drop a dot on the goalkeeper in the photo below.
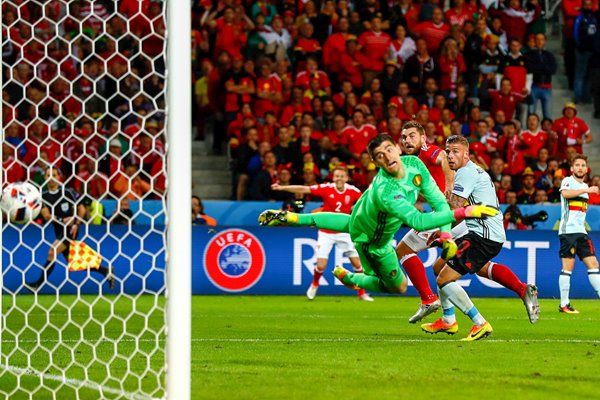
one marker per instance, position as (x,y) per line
(59,207)
(382,209)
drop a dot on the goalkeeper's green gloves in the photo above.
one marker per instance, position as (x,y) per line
(474,211)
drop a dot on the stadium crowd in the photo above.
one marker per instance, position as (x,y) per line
(294,88)
(83,90)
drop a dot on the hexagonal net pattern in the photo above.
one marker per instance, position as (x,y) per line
(83,118)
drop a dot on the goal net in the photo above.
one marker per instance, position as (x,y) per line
(84,93)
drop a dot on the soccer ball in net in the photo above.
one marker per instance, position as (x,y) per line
(21,201)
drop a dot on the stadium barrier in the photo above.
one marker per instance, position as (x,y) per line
(257,260)
(243,213)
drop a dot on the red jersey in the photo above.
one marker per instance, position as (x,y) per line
(533,142)
(451,72)
(433,34)
(358,138)
(569,131)
(303,80)
(334,47)
(271,84)
(429,154)
(458,17)
(513,154)
(505,102)
(412,16)
(230,38)
(375,46)
(12,171)
(334,200)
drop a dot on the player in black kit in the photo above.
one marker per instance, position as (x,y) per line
(59,205)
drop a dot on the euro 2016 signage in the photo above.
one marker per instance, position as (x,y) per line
(263,260)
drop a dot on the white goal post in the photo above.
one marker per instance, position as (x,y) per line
(179,263)
(67,64)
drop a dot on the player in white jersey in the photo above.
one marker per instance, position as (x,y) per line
(476,248)
(414,242)
(574,194)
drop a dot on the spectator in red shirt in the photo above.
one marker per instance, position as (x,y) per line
(305,45)
(374,44)
(268,92)
(572,131)
(358,134)
(352,62)
(12,170)
(515,19)
(340,97)
(239,86)
(505,99)
(335,46)
(594,197)
(533,139)
(229,33)
(311,69)
(433,31)
(458,14)
(452,68)
(510,147)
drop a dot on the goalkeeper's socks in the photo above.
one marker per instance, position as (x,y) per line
(504,276)
(457,295)
(416,273)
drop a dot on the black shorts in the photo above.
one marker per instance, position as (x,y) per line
(473,253)
(575,243)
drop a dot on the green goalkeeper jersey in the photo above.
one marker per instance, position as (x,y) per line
(389,202)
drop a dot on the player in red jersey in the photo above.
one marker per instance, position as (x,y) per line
(414,142)
(338,196)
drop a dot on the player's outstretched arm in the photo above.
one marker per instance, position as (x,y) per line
(291,188)
(412,217)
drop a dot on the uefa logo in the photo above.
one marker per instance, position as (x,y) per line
(234,260)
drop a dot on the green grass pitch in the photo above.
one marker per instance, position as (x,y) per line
(286,347)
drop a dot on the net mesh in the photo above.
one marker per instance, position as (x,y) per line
(83,92)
